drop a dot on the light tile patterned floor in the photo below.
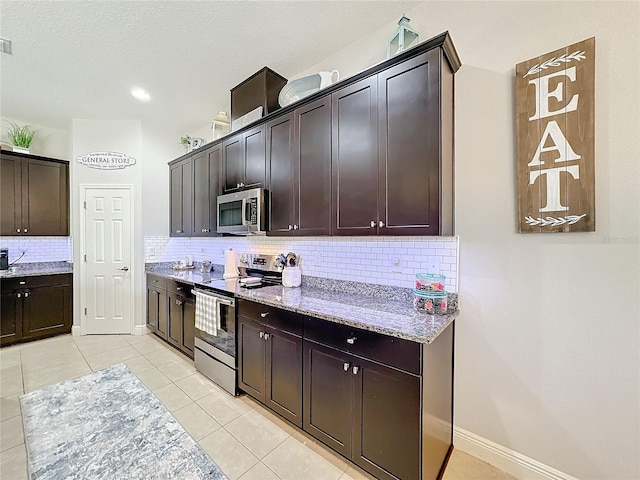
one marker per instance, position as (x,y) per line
(246,440)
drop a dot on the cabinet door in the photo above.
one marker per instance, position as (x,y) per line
(251,358)
(409,151)
(281,175)
(284,375)
(10,315)
(328,396)
(176,319)
(45,198)
(152,308)
(163,314)
(255,157)
(355,158)
(46,311)
(233,163)
(386,421)
(206,188)
(10,195)
(313,168)
(181,198)
(189,326)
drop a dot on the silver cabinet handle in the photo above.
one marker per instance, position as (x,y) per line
(26,230)
(264,314)
(346,366)
(295,227)
(124,269)
(266,336)
(18,230)
(372,224)
(356,369)
(178,302)
(351,340)
(19,295)
(381,224)
(23,283)
(290,227)
(261,334)
(26,294)
(178,231)
(241,184)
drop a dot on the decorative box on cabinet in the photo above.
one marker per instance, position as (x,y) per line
(259,90)
(34,195)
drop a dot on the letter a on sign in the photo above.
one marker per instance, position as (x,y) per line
(555,130)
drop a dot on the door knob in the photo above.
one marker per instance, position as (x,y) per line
(124,269)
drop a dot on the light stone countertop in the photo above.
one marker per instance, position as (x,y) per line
(389,314)
(37,269)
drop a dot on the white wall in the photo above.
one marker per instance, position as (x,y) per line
(123,136)
(547,345)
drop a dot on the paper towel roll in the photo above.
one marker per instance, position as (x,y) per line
(230,264)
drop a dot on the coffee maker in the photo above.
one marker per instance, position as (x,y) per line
(4,258)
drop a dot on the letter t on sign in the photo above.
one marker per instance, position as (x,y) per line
(555,140)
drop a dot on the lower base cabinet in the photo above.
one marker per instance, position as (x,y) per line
(171,312)
(35,307)
(382,402)
(270,358)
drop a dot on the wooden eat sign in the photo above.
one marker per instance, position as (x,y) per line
(555,140)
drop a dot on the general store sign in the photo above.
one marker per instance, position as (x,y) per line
(555,140)
(106,160)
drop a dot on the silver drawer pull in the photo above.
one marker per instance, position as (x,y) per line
(351,340)
(23,283)
(346,366)
(264,314)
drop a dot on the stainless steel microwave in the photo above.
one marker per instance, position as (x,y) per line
(243,213)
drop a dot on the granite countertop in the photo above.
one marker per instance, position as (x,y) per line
(36,269)
(391,315)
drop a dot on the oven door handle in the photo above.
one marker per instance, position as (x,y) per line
(230,302)
(246,221)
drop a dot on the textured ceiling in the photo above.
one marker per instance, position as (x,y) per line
(80,59)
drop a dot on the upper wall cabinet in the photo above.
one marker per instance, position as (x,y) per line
(243,160)
(181,197)
(299,153)
(34,196)
(206,188)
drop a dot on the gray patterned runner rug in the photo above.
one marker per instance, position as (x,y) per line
(108,425)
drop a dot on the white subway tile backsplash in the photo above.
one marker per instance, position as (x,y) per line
(364,259)
(38,249)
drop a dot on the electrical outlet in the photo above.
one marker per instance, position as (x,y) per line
(396,265)
(433,265)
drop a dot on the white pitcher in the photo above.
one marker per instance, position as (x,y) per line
(328,78)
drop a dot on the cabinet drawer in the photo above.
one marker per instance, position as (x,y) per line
(156,281)
(179,288)
(392,351)
(275,317)
(36,281)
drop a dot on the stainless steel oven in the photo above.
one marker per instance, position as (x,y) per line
(215,355)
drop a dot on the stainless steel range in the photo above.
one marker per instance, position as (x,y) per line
(216,343)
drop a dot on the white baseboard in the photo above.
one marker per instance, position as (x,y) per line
(507,460)
(76,330)
(140,330)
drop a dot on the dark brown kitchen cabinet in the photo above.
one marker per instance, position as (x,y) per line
(270,358)
(181,199)
(244,160)
(415,106)
(206,188)
(171,313)
(355,158)
(34,195)
(35,307)
(299,153)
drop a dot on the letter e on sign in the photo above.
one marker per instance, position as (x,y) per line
(555,132)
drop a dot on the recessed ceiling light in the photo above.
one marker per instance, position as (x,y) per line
(141,94)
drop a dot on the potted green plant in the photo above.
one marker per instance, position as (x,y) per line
(21,136)
(186,142)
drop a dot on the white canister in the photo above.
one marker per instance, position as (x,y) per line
(291,277)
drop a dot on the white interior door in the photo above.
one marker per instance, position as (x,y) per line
(108,255)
